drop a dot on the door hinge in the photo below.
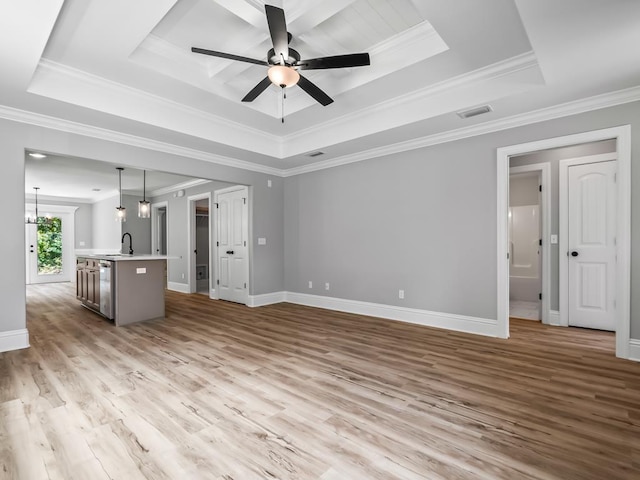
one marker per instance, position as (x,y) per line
(245,243)
(217,205)
(217,244)
(245,285)
(540,242)
(217,282)
(539,188)
(539,296)
(507,255)
(244,201)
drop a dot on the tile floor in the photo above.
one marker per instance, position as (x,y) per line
(525,310)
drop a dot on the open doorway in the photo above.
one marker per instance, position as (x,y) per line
(525,244)
(202,249)
(619,137)
(159,236)
(199,231)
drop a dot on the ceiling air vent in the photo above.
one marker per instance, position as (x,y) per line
(315,154)
(473,112)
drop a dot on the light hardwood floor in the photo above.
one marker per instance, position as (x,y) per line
(222,391)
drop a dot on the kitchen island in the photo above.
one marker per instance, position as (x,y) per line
(123,288)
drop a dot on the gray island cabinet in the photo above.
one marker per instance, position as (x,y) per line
(123,288)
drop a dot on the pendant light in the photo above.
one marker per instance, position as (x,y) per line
(121,212)
(144,207)
(37,220)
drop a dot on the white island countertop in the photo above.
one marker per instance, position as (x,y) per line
(119,257)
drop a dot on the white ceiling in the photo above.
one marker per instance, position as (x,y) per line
(127,67)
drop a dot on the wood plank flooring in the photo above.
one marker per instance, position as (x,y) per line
(222,391)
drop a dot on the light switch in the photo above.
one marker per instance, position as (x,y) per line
(141,270)
(262,241)
(269,184)
(554,239)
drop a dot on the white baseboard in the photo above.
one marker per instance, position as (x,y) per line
(14,340)
(634,350)
(554,318)
(460,323)
(178,287)
(266,299)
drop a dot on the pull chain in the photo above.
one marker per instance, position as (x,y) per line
(284,95)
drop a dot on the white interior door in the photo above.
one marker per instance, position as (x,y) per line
(592,245)
(49,250)
(232,245)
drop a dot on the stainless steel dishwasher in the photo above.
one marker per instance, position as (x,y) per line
(107,306)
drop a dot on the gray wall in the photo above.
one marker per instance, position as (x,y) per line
(553,157)
(266,265)
(139,228)
(523,190)
(105,228)
(423,221)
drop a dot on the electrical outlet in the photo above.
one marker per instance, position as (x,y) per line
(310,284)
(401,294)
(269,183)
(326,286)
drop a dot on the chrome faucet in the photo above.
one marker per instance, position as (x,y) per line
(130,242)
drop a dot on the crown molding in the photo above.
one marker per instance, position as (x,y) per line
(570,108)
(209,122)
(68,126)
(178,186)
(409,101)
(596,102)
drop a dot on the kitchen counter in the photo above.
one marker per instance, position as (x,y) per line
(118,257)
(123,288)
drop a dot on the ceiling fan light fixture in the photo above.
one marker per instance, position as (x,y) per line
(283,76)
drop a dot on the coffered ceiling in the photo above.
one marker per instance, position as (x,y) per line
(126,66)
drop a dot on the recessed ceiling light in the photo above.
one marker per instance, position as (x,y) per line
(37,155)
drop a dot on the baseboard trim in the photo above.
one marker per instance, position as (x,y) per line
(634,350)
(554,318)
(178,287)
(266,299)
(14,340)
(460,323)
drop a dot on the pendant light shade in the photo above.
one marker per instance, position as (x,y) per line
(121,212)
(144,207)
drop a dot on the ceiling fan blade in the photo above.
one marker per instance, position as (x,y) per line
(257,90)
(228,56)
(278,30)
(338,61)
(314,91)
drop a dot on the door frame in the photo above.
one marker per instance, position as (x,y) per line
(249,221)
(154,229)
(622,135)
(192,281)
(563,199)
(544,172)
(68,241)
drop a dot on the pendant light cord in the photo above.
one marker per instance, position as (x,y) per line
(144,185)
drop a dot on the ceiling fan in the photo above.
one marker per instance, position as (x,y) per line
(284,62)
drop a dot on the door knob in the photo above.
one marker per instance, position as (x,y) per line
(229,252)
(574,254)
